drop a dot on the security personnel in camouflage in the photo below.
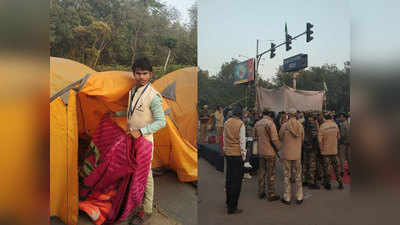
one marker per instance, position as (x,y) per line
(320,159)
(311,148)
(306,148)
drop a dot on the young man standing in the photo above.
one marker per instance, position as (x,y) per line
(235,154)
(145,117)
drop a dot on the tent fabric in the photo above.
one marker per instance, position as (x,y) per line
(64,72)
(170,91)
(285,98)
(102,92)
(64,159)
(183,109)
(64,140)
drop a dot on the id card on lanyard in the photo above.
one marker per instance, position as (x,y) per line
(132,110)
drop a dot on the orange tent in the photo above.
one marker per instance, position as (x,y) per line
(80,96)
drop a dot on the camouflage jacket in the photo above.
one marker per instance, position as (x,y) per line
(311,133)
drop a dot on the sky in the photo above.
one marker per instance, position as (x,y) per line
(182,6)
(228,29)
(375,34)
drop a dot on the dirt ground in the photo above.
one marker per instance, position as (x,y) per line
(175,203)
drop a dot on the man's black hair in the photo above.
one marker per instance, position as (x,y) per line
(237,111)
(142,64)
(343,114)
(271,114)
(328,116)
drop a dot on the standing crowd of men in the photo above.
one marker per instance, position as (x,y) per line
(305,144)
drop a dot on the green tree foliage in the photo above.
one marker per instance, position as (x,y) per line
(102,33)
(219,90)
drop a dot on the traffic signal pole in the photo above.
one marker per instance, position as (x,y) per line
(308,32)
(283,43)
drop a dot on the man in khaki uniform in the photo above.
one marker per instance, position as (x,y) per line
(219,122)
(204,118)
(328,137)
(235,154)
(265,133)
(344,148)
(292,135)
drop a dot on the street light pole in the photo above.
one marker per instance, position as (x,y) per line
(295,79)
(256,62)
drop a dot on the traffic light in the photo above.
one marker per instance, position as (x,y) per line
(309,32)
(288,42)
(272,51)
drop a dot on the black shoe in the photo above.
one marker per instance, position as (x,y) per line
(274,198)
(342,174)
(340,186)
(299,202)
(261,196)
(314,186)
(285,202)
(236,211)
(327,186)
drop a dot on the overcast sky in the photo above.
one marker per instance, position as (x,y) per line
(229,28)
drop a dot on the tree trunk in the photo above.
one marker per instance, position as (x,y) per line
(134,47)
(166,61)
(98,52)
(96,58)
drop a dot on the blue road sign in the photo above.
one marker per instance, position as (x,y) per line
(295,63)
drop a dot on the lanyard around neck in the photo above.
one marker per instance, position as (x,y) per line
(132,110)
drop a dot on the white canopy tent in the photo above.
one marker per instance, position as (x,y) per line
(284,98)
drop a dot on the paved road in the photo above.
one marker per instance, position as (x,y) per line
(177,203)
(320,207)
